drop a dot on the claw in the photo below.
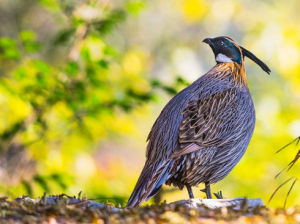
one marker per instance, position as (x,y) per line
(219,195)
(203,190)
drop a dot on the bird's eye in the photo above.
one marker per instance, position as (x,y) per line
(222,43)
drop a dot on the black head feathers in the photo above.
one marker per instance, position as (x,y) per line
(226,50)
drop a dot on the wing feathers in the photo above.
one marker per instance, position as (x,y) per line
(187,149)
(152,177)
(205,121)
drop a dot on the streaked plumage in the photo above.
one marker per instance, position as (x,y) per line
(204,130)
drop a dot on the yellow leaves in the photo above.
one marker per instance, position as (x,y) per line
(55,161)
(62,110)
(140,85)
(257,171)
(134,63)
(100,126)
(288,57)
(72,144)
(96,128)
(292,33)
(94,47)
(58,117)
(193,10)
(119,123)
(288,52)
(13,109)
(39,150)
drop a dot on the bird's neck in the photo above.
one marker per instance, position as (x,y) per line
(232,70)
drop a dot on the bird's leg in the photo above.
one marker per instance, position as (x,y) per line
(190,191)
(207,191)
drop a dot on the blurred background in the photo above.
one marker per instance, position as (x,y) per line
(82,82)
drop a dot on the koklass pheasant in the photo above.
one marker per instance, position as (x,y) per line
(204,130)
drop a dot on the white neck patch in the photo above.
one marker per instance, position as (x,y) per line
(223,58)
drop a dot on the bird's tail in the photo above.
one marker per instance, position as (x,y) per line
(153,176)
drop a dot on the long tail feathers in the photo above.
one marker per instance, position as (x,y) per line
(151,179)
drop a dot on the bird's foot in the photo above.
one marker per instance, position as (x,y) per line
(190,191)
(207,191)
(219,195)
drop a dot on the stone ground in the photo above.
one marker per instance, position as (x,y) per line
(66,209)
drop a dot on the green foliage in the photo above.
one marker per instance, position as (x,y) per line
(62,180)
(28,40)
(81,83)
(170,89)
(8,49)
(135,7)
(105,25)
(52,102)
(64,36)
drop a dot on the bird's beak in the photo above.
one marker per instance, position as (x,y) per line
(207,41)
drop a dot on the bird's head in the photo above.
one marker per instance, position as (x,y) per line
(226,50)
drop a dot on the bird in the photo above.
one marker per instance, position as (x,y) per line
(204,130)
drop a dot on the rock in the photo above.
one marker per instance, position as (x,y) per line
(96,205)
(234,203)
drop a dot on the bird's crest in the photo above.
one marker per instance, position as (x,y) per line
(255,59)
(227,47)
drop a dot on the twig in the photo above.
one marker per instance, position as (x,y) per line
(281,185)
(292,163)
(287,195)
(295,140)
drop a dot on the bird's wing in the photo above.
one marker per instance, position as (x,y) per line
(208,122)
(152,177)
